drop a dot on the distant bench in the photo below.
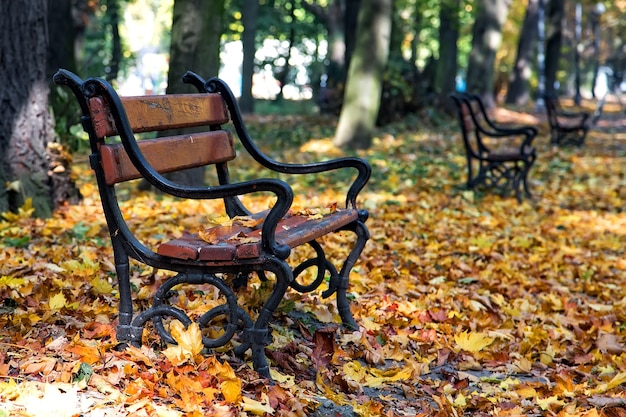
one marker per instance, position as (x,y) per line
(227,255)
(569,127)
(497,156)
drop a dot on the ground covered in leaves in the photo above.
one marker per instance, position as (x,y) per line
(469,303)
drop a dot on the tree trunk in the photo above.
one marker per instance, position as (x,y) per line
(113,10)
(350,27)
(486,40)
(518,92)
(283,73)
(447,65)
(62,33)
(195,46)
(333,19)
(555,13)
(364,83)
(27,167)
(250,15)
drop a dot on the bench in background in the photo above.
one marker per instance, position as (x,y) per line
(497,156)
(567,127)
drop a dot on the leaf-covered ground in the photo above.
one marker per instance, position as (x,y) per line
(469,303)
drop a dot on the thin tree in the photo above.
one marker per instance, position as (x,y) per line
(195,46)
(486,40)
(447,64)
(333,17)
(364,82)
(555,13)
(249,17)
(518,91)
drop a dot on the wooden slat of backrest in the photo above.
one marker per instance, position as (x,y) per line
(150,113)
(168,154)
(478,113)
(468,122)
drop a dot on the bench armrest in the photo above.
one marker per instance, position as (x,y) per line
(572,114)
(528,132)
(364,169)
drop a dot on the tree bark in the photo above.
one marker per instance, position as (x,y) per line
(518,91)
(249,15)
(554,14)
(364,83)
(195,46)
(447,65)
(27,167)
(486,40)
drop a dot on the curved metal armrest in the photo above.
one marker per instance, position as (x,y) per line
(529,131)
(216,85)
(573,114)
(362,166)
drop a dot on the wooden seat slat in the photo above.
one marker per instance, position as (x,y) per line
(234,243)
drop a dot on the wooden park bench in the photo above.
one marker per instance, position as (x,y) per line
(497,156)
(224,256)
(568,127)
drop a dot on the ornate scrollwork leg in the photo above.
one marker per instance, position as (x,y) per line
(243,322)
(159,310)
(258,336)
(339,282)
(322,266)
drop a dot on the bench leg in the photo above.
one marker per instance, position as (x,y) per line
(259,336)
(527,165)
(125,331)
(339,283)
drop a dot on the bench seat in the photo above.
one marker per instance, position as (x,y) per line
(233,243)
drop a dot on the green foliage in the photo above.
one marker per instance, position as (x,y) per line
(98,43)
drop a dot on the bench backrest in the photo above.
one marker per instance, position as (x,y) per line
(552,108)
(159,113)
(470,117)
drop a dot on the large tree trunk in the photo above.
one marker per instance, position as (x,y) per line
(27,167)
(447,65)
(518,91)
(364,83)
(249,15)
(554,14)
(486,40)
(195,46)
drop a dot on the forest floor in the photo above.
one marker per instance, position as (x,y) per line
(470,304)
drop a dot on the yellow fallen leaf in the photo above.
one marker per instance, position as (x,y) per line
(57,301)
(189,343)
(550,402)
(472,341)
(616,381)
(231,389)
(256,407)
